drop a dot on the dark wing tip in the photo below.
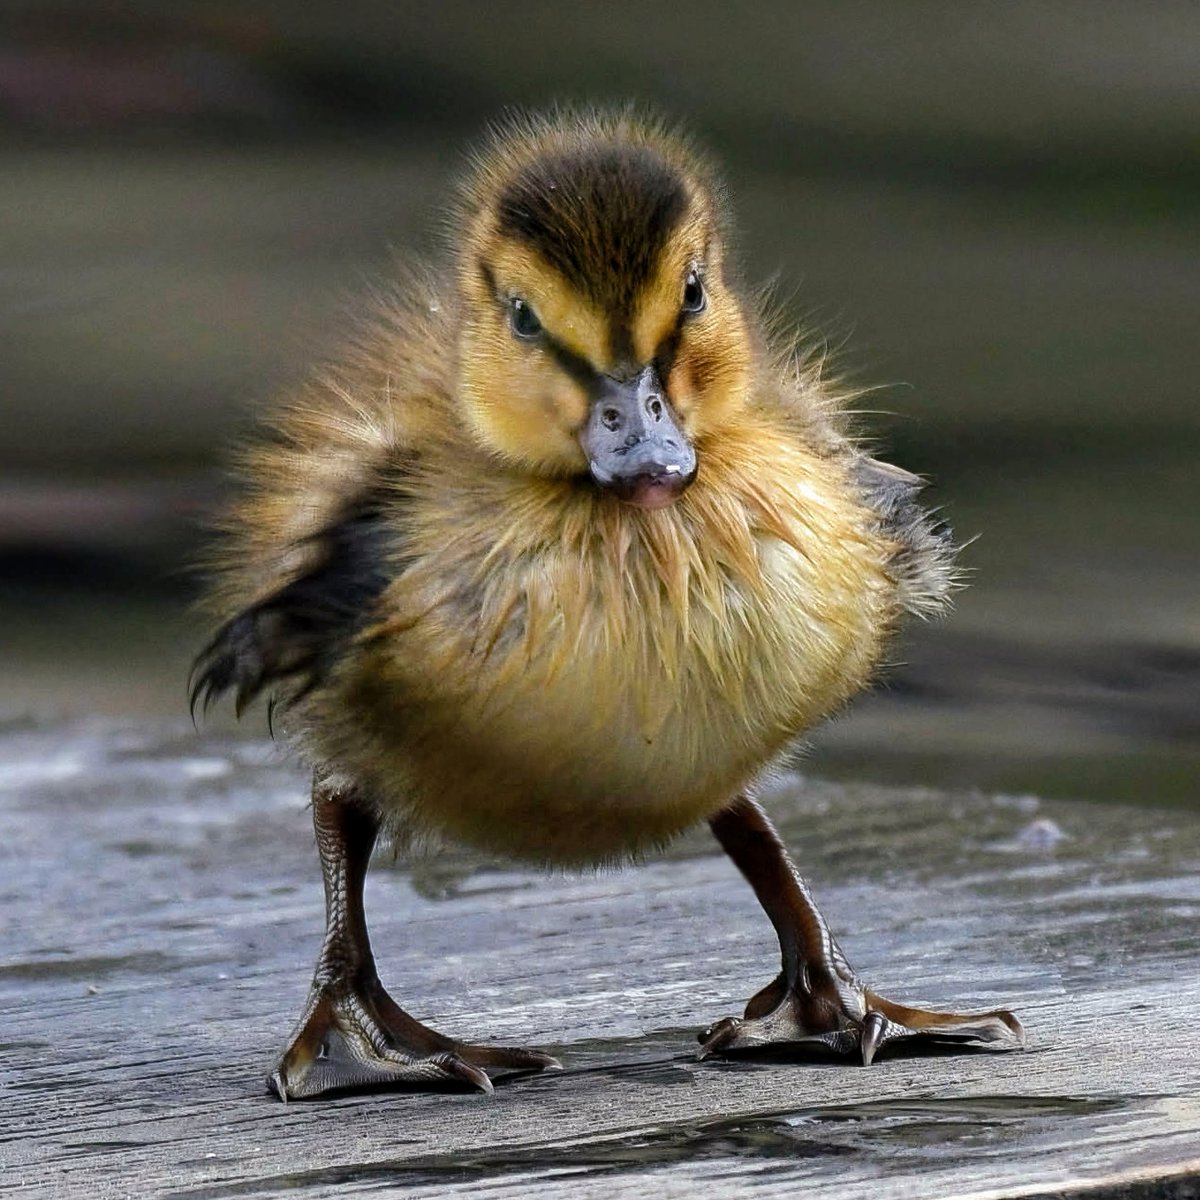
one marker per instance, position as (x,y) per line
(233,659)
(295,636)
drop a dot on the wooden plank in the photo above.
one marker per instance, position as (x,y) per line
(161,907)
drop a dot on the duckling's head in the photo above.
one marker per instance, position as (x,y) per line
(600,333)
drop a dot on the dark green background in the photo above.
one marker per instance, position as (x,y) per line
(991,211)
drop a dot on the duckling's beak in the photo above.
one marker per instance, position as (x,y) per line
(634,444)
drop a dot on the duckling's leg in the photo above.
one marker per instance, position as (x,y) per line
(817,998)
(352,1034)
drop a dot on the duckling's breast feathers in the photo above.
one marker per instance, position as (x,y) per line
(558,675)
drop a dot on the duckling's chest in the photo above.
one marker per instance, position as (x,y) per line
(621,672)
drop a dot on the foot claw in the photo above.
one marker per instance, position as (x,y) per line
(874,1027)
(719,1037)
(461,1070)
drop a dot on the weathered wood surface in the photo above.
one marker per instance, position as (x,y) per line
(160,908)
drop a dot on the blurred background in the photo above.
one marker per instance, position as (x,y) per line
(992,212)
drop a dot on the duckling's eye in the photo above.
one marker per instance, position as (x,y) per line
(694,297)
(525,323)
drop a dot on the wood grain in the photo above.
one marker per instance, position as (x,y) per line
(160,908)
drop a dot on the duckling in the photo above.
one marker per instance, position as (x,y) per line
(559,559)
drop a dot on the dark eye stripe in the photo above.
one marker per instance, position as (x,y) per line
(572,364)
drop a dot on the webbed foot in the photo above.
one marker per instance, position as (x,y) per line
(358,1037)
(352,1034)
(838,1013)
(817,999)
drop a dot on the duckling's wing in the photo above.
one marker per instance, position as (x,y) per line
(294,635)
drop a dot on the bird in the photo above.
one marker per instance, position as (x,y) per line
(557,556)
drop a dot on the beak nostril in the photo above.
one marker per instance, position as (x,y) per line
(655,408)
(611,419)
